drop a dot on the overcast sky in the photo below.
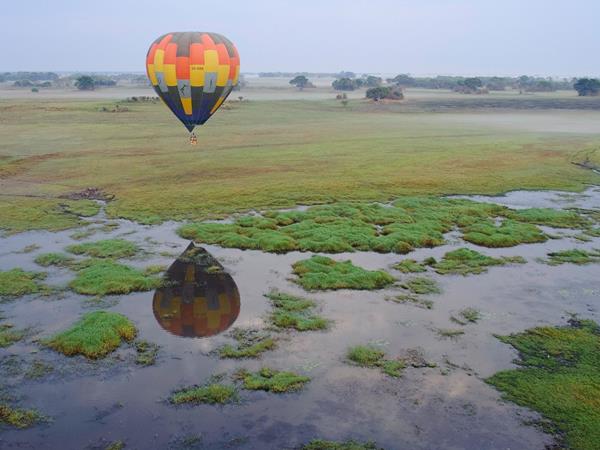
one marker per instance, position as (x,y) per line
(464,37)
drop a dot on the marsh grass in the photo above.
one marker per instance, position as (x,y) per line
(449,333)
(107,248)
(211,393)
(508,234)
(9,335)
(104,276)
(146,353)
(411,299)
(294,312)
(421,285)
(410,266)
(17,282)
(574,256)
(559,377)
(370,356)
(320,444)
(271,380)
(466,316)
(464,261)
(94,336)
(250,343)
(54,259)
(19,418)
(320,273)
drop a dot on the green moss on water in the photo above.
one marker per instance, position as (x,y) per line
(54,259)
(449,332)
(508,234)
(211,393)
(370,356)
(465,261)
(38,369)
(320,272)
(155,269)
(9,335)
(294,312)
(574,256)
(95,335)
(82,234)
(421,285)
(19,418)
(559,377)
(104,276)
(250,343)
(270,380)
(411,299)
(116,445)
(466,316)
(320,444)
(146,353)
(107,248)
(410,266)
(17,282)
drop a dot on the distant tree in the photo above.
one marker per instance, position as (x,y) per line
(587,87)
(372,81)
(344,74)
(377,93)
(381,92)
(403,80)
(344,84)
(35,89)
(473,83)
(300,81)
(85,83)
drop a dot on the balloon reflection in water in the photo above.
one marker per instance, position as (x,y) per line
(198,298)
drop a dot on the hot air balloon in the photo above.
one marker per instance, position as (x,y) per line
(198,299)
(193,73)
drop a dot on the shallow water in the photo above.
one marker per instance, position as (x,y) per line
(446,407)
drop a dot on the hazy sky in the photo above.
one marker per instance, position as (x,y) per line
(508,37)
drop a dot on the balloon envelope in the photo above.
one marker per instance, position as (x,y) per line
(193,73)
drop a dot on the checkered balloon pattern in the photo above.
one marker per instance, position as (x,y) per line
(193,73)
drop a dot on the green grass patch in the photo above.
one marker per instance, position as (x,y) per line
(320,444)
(9,335)
(250,343)
(107,248)
(410,266)
(556,218)
(104,277)
(369,356)
(320,272)
(19,418)
(270,380)
(17,282)
(212,393)
(449,332)
(464,261)
(94,336)
(54,259)
(294,312)
(412,300)
(82,234)
(508,234)
(146,353)
(83,208)
(559,377)
(155,269)
(574,256)
(466,316)
(421,285)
